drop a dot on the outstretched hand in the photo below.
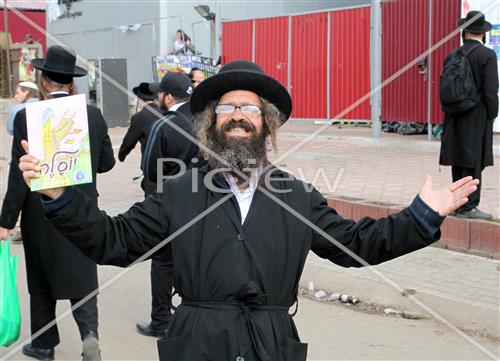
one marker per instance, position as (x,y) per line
(31,170)
(446,200)
(5,233)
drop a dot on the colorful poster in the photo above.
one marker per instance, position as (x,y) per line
(170,63)
(181,64)
(26,70)
(495,39)
(59,138)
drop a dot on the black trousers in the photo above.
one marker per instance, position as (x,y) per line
(43,311)
(460,172)
(162,282)
(162,279)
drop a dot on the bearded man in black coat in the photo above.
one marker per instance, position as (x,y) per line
(241,228)
(467,138)
(56,269)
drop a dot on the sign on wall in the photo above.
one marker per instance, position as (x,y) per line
(26,70)
(181,64)
(492,14)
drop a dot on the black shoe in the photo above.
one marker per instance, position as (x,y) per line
(38,353)
(90,347)
(474,213)
(147,330)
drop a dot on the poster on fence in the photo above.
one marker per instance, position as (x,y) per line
(492,15)
(181,64)
(58,134)
(26,70)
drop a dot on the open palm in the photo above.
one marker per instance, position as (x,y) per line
(448,199)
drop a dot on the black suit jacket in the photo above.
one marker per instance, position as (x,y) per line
(165,141)
(140,123)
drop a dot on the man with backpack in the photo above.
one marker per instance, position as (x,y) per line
(469,99)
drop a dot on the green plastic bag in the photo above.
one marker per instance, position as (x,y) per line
(10,313)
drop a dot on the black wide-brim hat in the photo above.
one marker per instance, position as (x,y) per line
(59,60)
(479,26)
(241,75)
(142,92)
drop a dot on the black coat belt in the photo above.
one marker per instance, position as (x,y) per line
(246,309)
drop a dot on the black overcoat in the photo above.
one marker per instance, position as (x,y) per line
(237,282)
(53,265)
(467,138)
(165,141)
(140,123)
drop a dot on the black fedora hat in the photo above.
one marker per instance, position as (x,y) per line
(241,75)
(59,60)
(479,26)
(142,91)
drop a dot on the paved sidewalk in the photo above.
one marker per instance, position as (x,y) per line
(451,275)
(463,288)
(390,169)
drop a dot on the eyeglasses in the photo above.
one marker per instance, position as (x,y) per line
(246,109)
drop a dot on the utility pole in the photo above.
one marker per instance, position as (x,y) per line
(429,76)
(376,74)
(212,39)
(6,29)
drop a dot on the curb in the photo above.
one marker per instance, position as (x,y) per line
(480,238)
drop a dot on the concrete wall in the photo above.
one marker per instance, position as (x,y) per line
(96,34)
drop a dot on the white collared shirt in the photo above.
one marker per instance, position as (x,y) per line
(244,196)
(174,107)
(59,92)
(475,40)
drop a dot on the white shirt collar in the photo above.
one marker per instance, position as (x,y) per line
(475,40)
(244,197)
(59,92)
(174,107)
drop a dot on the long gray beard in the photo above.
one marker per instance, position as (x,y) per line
(238,154)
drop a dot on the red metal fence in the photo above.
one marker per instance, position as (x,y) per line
(404,37)
(307,54)
(444,21)
(324,58)
(309,65)
(409,28)
(272,58)
(237,41)
(19,27)
(350,64)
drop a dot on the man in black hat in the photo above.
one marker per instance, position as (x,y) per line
(56,270)
(467,138)
(164,141)
(140,123)
(197,76)
(241,227)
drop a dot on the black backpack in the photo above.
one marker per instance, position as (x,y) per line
(457,88)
